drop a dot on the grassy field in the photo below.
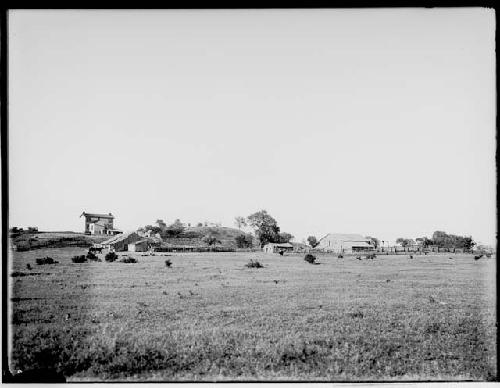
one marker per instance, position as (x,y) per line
(208,317)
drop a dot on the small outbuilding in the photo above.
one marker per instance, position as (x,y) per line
(277,247)
(139,246)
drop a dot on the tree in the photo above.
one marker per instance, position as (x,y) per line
(175,229)
(244,240)
(444,240)
(199,224)
(405,241)
(240,222)
(468,243)
(313,241)
(210,239)
(284,237)
(265,226)
(374,241)
(161,224)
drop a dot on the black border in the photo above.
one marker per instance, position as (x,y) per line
(313,4)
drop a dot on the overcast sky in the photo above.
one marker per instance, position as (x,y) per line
(378,122)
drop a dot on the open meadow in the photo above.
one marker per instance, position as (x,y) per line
(209,317)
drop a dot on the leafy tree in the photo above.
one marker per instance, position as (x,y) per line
(265,226)
(210,239)
(153,229)
(468,243)
(313,241)
(199,224)
(374,241)
(405,241)
(175,229)
(284,237)
(240,222)
(424,241)
(244,240)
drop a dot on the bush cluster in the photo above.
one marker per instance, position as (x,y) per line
(110,257)
(254,264)
(79,259)
(310,258)
(128,259)
(46,260)
(91,256)
(168,263)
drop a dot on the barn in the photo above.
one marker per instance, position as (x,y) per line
(139,246)
(345,243)
(120,242)
(277,247)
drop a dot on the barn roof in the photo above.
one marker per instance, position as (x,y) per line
(281,245)
(117,238)
(97,215)
(345,237)
(140,241)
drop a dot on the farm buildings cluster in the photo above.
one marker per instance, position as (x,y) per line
(161,237)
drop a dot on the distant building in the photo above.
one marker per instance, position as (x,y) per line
(99,224)
(277,247)
(121,242)
(139,246)
(345,243)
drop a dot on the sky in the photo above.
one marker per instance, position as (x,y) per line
(372,121)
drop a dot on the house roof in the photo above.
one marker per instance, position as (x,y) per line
(97,215)
(345,237)
(117,238)
(361,244)
(281,245)
(140,241)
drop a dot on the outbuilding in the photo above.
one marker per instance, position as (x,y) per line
(139,246)
(120,242)
(277,247)
(345,243)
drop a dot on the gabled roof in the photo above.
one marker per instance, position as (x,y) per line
(140,241)
(118,237)
(281,245)
(345,237)
(97,215)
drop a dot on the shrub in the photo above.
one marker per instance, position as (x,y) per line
(128,259)
(92,256)
(168,263)
(254,264)
(46,260)
(110,257)
(340,256)
(79,259)
(244,241)
(372,256)
(310,258)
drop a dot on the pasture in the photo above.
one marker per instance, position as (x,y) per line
(208,317)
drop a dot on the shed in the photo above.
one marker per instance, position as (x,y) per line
(345,243)
(277,247)
(120,242)
(138,246)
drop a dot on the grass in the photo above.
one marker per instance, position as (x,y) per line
(208,318)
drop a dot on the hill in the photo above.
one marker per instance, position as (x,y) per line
(194,235)
(28,241)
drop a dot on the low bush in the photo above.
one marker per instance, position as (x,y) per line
(310,258)
(168,263)
(341,256)
(110,257)
(79,259)
(91,256)
(254,264)
(372,256)
(128,259)
(46,260)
